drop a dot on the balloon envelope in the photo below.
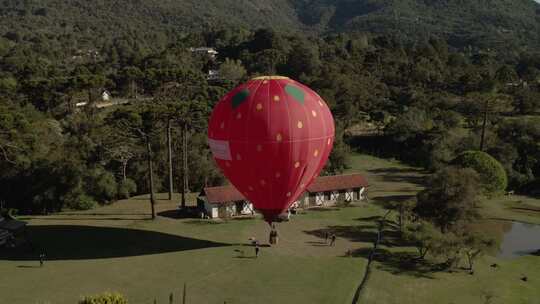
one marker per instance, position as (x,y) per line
(271,137)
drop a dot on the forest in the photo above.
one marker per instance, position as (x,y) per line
(422,101)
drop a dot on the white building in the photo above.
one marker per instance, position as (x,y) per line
(223,202)
(326,191)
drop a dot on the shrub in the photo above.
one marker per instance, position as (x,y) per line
(102,185)
(126,188)
(492,174)
(83,202)
(106,298)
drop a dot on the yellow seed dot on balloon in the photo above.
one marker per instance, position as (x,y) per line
(276,98)
(300,125)
(259,148)
(288,194)
(265,81)
(320,103)
(263,182)
(297,164)
(238,157)
(314,113)
(279,137)
(329,140)
(239,116)
(302,185)
(316,153)
(278,175)
(259,106)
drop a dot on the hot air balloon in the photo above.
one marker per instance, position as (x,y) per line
(271,137)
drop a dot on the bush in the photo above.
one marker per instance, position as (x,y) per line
(126,188)
(106,298)
(492,174)
(102,185)
(83,202)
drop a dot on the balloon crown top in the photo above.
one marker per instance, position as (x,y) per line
(269,77)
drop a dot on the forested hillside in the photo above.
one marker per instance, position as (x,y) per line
(421,99)
(78,23)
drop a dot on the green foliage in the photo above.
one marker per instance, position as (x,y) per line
(102,185)
(126,188)
(424,236)
(81,202)
(106,298)
(232,70)
(450,198)
(492,174)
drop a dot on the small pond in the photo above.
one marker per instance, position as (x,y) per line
(519,240)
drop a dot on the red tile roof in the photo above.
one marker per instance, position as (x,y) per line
(337,182)
(225,194)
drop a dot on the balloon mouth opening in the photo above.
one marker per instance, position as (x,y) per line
(274,77)
(271,215)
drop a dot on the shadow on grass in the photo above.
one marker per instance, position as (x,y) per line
(388,201)
(324,209)
(79,218)
(180,214)
(68,242)
(400,263)
(393,170)
(401,175)
(359,233)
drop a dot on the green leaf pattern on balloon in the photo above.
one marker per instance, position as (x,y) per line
(239,98)
(297,93)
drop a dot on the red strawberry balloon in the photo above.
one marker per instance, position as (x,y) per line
(271,137)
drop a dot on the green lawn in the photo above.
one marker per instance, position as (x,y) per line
(116,248)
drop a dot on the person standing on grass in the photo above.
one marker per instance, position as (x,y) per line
(41,259)
(326,235)
(257,249)
(332,240)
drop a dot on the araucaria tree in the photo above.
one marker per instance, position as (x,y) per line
(139,123)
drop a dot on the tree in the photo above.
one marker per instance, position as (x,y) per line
(142,124)
(182,104)
(474,245)
(492,174)
(232,70)
(424,236)
(450,198)
(486,106)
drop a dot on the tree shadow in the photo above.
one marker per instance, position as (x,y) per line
(361,233)
(323,209)
(176,214)
(397,170)
(78,218)
(399,263)
(388,201)
(69,242)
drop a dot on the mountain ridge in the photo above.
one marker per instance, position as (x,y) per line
(486,23)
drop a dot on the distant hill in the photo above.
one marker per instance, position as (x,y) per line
(479,22)
(486,23)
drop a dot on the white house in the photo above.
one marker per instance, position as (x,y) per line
(105,96)
(326,191)
(211,52)
(223,202)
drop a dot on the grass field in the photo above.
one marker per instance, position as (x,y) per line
(117,248)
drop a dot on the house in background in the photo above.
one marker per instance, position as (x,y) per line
(223,202)
(326,191)
(210,52)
